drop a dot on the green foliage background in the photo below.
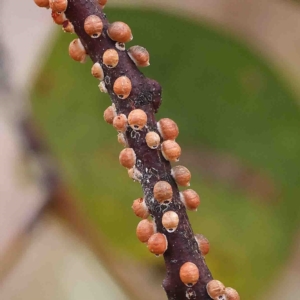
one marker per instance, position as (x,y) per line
(222,96)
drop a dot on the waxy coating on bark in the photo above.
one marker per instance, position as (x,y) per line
(145,230)
(120,123)
(121,139)
(157,244)
(140,208)
(102,87)
(93,26)
(119,32)
(168,129)
(189,274)
(135,174)
(137,119)
(122,87)
(139,55)
(190,199)
(181,175)
(127,158)
(215,289)
(170,220)
(170,150)
(77,51)
(163,192)
(110,58)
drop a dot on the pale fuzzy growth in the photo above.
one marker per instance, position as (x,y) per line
(110,58)
(77,51)
(109,114)
(152,140)
(120,123)
(163,192)
(203,244)
(102,87)
(135,174)
(231,294)
(120,46)
(139,55)
(68,27)
(102,3)
(122,87)
(171,151)
(137,119)
(168,129)
(189,274)
(122,140)
(93,26)
(97,71)
(127,158)
(145,230)
(190,199)
(182,175)
(58,18)
(140,208)
(170,221)
(58,5)
(42,3)
(215,289)
(120,32)
(157,244)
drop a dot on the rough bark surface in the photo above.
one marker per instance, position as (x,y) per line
(146,95)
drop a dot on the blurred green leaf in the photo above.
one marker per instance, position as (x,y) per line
(222,96)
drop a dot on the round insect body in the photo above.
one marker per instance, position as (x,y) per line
(168,129)
(190,199)
(77,51)
(127,158)
(170,150)
(93,26)
(140,209)
(137,119)
(170,221)
(203,243)
(109,114)
(97,71)
(58,18)
(182,175)
(110,58)
(145,230)
(58,5)
(42,3)
(231,294)
(157,244)
(152,139)
(122,87)
(215,289)
(119,32)
(68,27)
(102,3)
(139,55)
(163,192)
(189,274)
(120,123)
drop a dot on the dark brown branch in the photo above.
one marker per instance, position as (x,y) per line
(146,95)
